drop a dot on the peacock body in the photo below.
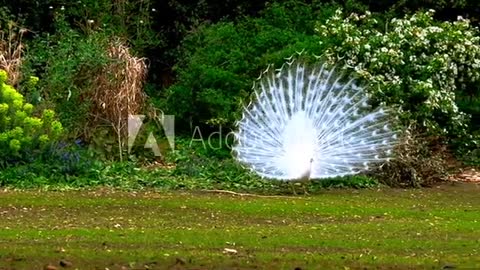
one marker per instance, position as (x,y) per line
(310,122)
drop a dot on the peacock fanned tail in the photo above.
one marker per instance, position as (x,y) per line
(314,122)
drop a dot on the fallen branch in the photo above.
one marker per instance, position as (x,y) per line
(242,194)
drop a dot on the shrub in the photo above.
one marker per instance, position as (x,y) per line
(220,61)
(415,62)
(67,63)
(20,131)
(92,79)
(118,91)
(61,164)
(421,160)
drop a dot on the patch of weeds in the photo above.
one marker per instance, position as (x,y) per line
(61,164)
(353,181)
(473,158)
(195,168)
(469,152)
(214,171)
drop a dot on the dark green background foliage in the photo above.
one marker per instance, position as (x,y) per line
(166,23)
(219,62)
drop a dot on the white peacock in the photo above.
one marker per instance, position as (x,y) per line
(312,123)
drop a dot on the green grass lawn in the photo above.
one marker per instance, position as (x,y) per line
(333,229)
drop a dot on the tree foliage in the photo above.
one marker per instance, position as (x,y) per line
(220,61)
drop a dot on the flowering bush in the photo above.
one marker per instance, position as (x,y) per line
(415,62)
(20,131)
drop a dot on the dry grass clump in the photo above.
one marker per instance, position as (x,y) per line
(11,51)
(118,89)
(420,161)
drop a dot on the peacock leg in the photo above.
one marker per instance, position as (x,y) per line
(292,187)
(305,189)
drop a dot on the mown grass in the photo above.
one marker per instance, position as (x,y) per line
(336,229)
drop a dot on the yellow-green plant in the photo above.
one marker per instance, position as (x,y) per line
(21,131)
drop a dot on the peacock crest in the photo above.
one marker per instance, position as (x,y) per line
(312,122)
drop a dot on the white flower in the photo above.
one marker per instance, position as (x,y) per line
(434,29)
(392,52)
